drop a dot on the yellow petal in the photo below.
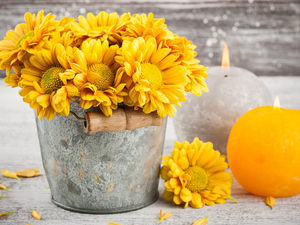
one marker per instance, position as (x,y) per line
(167,215)
(186,195)
(270,201)
(220,201)
(196,201)
(164,172)
(183,162)
(84,23)
(177,190)
(112,223)
(4,187)
(186,205)
(177,200)
(36,215)
(79,58)
(184,179)
(164,216)
(3,196)
(168,195)
(28,173)
(4,214)
(222,191)
(10,174)
(174,182)
(28,20)
(92,77)
(201,221)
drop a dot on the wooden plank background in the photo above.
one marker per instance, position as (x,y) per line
(263,35)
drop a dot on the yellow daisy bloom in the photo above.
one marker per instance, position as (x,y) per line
(96,68)
(143,26)
(27,37)
(196,73)
(153,77)
(181,46)
(105,26)
(67,36)
(66,23)
(195,175)
(14,79)
(47,82)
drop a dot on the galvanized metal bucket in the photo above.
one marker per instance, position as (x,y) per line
(105,172)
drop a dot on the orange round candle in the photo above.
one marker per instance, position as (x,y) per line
(264,151)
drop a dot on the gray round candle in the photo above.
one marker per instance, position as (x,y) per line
(211,116)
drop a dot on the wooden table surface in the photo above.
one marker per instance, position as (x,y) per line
(19,149)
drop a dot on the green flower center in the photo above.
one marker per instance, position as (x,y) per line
(199,179)
(25,36)
(51,80)
(107,76)
(152,74)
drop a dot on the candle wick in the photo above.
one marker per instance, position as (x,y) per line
(225,75)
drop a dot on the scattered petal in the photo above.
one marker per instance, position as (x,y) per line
(222,191)
(4,214)
(201,221)
(36,215)
(10,174)
(47,188)
(4,187)
(165,216)
(3,196)
(112,223)
(270,201)
(28,173)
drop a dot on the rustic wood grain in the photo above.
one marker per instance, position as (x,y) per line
(263,35)
(122,119)
(19,149)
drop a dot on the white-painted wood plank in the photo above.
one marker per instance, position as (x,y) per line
(19,149)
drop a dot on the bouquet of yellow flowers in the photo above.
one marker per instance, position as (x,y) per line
(104,60)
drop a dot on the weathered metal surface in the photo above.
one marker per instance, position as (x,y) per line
(105,172)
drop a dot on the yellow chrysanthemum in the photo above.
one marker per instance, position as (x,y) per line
(96,68)
(153,77)
(28,37)
(181,46)
(67,36)
(47,82)
(195,175)
(186,56)
(66,23)
(105,26)
(144,26)
(196,74)
(14,79)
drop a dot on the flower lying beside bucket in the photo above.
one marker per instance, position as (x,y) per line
(133,70)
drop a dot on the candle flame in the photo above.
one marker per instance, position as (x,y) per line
(277,103)
(225,60)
